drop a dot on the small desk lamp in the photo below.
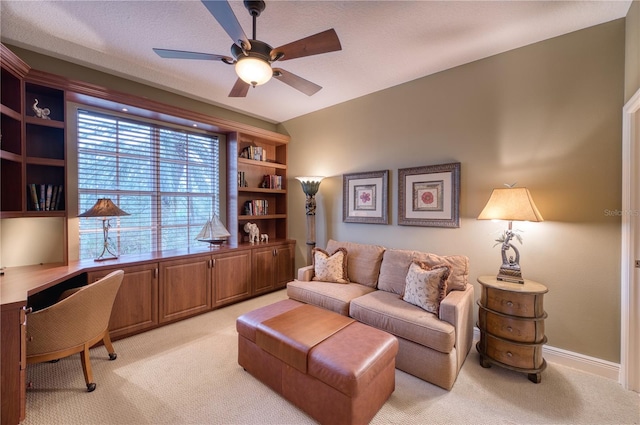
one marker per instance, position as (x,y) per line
(310,186)
(512,204)
(104,208)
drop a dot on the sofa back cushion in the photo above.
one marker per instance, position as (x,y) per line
(396,262)
(459,265)
(363,261)
(393,271)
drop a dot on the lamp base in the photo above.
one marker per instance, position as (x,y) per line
(510,275)
(105,258)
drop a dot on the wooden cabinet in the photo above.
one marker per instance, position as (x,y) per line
(185,287)
(273,267)
(257,184)
(231,277)
(13,365)
(32,153)
(12,191)
(511,322)
(135,308)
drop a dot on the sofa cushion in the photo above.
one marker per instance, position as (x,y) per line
(393,270)
(330,268)
(331,296)
(426,286)
(386,311)
(363,261)
(459,265)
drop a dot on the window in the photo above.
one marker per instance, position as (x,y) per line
(166,178)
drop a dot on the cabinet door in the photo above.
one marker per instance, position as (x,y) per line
(284,267)
(263,270)
(13,374)
(231,277)
(136,306)
(185,287)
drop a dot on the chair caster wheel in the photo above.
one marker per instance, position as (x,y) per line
(113,356)
(91,387)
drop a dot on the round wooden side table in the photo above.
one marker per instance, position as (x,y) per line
(511,322)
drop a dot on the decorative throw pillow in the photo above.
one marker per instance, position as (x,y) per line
(426,287)
(330,268)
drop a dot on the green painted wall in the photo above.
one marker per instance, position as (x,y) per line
(547,116)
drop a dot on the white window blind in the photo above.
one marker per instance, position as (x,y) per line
(166,178)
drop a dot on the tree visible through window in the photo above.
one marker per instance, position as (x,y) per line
(166,178)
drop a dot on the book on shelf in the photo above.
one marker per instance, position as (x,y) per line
(256,207)
(44,197)
(272,181)
(256,153)
(242,182)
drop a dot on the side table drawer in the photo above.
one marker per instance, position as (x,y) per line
(510,327)
(512,303)
(524,356)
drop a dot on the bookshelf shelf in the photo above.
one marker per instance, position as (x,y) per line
(257,185)
(33,149)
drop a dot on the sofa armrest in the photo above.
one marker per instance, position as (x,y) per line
(305,273)
(457,309)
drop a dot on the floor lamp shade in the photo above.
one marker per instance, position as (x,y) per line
(510,204)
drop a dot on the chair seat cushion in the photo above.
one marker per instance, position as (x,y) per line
(388,312)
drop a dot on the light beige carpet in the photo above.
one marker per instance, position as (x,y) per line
(187,373)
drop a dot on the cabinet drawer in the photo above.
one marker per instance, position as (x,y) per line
(524,356)
(511,328)
(512,303)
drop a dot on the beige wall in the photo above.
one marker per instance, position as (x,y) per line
(547,116)
(632,51)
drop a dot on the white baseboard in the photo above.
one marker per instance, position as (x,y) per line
(574,360)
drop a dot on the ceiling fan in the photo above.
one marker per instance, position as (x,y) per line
(253,58)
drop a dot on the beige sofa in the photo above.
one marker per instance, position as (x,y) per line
(431,347)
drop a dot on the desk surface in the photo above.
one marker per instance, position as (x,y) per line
(18,283)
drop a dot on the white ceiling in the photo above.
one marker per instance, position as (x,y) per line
(384,43)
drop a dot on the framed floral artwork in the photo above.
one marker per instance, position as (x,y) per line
(365,197)
(429,196)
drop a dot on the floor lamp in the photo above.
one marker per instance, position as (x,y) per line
(310,187)
(105,208)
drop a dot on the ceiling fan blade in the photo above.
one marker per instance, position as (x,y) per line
(182,54)
(221,10)
(298,83)
(323,42)
(240,89)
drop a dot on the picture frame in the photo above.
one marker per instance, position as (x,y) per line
(429,196)
(365,197)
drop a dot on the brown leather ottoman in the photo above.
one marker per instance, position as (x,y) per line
(337,370)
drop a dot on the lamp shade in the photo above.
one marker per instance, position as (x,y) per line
(310,184)
(104,207)
(512,204)
(253,70)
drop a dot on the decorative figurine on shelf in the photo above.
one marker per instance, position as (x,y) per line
(41,112)
(264,238)
(252,230)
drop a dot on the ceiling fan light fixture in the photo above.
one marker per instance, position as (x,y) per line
(253,70)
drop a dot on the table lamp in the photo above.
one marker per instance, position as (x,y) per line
(511,204)
(104,208)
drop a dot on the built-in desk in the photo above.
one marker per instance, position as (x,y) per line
(158,288)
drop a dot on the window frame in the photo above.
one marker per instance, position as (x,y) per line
(155,226)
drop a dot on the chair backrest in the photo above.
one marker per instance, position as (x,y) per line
(76,319)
